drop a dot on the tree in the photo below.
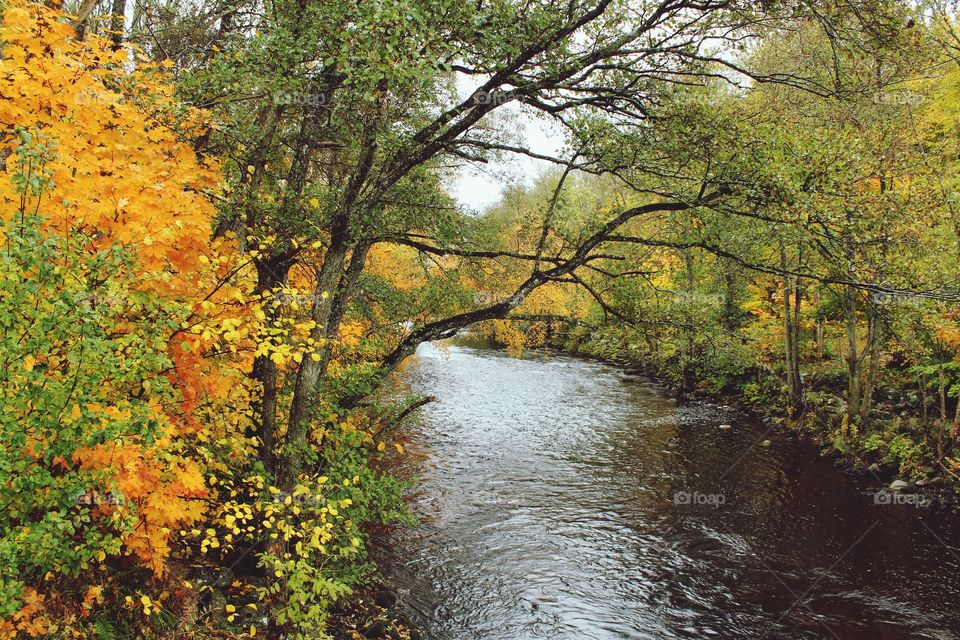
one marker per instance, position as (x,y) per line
(338,119)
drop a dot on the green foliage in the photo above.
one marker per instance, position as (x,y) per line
(320,555)
(69,382)
(905,448)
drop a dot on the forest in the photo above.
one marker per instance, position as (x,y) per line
(227,225)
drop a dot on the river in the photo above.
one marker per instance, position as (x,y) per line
(561,498)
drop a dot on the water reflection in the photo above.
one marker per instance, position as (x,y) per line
(551,504)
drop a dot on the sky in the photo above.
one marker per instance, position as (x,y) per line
(478,186)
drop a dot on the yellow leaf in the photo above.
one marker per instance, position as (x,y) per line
(28,363)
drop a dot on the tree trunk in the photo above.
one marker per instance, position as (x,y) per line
(687,374)
(923,398)
(797,300)
(118,22)
(271,273)
(942,422)
(310,370)
(853,356)
(83,14)
(955,429)
(873,351)
(819,337)
(730,310)
(792,297)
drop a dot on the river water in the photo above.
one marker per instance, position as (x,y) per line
(560,498)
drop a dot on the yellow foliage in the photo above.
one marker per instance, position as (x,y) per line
(121,174)
(119,171)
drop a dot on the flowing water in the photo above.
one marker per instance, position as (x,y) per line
(560,498)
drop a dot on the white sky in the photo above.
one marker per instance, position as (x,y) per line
(478,186)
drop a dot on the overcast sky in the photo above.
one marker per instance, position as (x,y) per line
(476,187)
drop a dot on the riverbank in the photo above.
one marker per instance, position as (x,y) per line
(889,452)
(372,614)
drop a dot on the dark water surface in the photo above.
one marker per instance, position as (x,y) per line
(550,505)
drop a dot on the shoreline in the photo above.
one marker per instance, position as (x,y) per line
(943,493)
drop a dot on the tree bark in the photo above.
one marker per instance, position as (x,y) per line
(730,309)
(83,14)
(942,422)
(853,356)
(118,23)
(955,429)
(873,351)
(792,298)
(271,273)
(310,370)
(687,373)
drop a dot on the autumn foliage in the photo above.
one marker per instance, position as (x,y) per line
(110,287)
(130,463)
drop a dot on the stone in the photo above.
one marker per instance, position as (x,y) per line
(376,629)
(385,599)
(898,485)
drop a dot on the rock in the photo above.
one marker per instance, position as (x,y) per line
(726,426)
(929,482)
(874,468)
(385,599)
(224,578)
(216,606)
(898,485)
(765,443)
(376,629)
